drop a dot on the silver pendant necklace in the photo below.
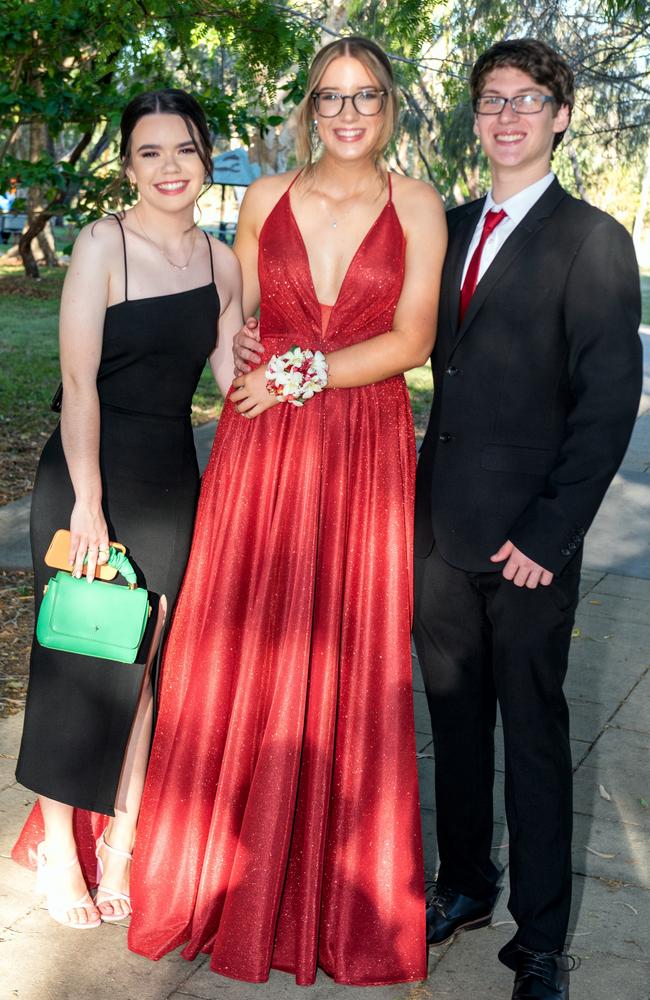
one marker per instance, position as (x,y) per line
(334,220)
(177,267)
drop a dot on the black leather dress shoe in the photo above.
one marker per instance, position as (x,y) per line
(449,912)
(542,975)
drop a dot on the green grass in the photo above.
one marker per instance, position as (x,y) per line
(29,353)
(207,402)
(420,385)
(645,297)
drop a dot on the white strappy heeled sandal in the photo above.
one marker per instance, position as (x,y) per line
(56,909)
(112,894)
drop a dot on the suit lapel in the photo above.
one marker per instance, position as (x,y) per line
(456,253)
(507,255)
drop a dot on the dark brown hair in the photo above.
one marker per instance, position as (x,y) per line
(168,102)
(542,63)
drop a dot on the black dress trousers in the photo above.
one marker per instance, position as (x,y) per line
(481,641)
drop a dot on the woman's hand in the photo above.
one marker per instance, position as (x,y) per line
(250,396)
(247,348)
(88,537)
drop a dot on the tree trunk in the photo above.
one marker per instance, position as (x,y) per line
(472,178)
(457,194)
(47,246)
(37,146)
(577,172)
(337,18)
(38,218)
(33,231)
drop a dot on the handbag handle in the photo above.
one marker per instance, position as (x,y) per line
(118,561)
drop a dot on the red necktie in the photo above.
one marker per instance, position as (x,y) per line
(491,221)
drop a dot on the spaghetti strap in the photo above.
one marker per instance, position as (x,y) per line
(390,190)
(210,253)
(294,181)
(126,275)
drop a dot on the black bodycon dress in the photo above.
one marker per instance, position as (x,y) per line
(80,709)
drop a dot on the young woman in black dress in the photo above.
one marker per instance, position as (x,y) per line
(143,299)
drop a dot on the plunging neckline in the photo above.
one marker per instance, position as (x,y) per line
(368,233)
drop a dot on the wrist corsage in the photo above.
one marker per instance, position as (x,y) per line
(296,375)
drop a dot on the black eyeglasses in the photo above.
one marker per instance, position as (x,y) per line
(329,103)
(522,104)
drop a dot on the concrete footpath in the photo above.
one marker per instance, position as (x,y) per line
(608,688)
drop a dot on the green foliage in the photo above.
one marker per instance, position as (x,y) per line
(636,8)
(439,114)
(69,67)
(402,28)
(29,355)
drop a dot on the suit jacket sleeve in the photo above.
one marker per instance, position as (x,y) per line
(602,312)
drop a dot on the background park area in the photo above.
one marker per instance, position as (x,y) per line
(67,69)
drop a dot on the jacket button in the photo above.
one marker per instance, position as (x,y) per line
(565,552)
(452,370)
(445,437)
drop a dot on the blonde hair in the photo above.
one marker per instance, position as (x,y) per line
(376,62)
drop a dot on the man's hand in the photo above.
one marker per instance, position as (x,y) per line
(520,569)
(247,347)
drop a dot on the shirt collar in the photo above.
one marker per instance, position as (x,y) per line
(520,204)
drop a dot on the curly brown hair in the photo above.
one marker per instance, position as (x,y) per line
(542,63)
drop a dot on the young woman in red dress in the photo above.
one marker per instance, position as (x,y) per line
(280,824)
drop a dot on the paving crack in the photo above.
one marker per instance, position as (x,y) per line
(619,883)
(608,721)
(192,969)
(592,587)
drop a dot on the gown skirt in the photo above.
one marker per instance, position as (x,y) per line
(80,709)
(280,823)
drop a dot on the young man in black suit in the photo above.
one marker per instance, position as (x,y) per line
(537,374)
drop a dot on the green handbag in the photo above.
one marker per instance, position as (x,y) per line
(95,619)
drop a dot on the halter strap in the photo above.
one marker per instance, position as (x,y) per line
(126,275)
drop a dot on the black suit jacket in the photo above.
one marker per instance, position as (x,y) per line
(535,395)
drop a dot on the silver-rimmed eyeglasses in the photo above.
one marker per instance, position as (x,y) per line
(329,103)
(522,104)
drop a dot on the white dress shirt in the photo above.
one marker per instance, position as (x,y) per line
(515,208)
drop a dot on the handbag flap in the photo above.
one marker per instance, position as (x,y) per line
(97,611)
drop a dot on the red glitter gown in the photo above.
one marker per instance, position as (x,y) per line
(280,823)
